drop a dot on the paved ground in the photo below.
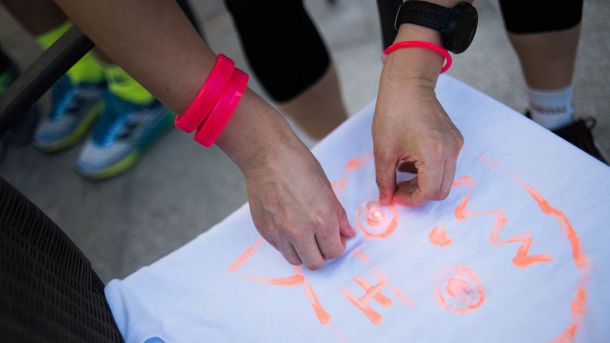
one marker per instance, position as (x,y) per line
(179,189)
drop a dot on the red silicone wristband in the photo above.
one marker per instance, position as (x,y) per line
(222,112)
(419,44)
(208,96)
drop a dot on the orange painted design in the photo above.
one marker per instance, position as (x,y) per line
(373,214)
(578,307)
(464,180)
(293,280)
(358,162)
(568,335)
(298,279)
(438,236)
(321,313)
(354,164)
(243,258)
(577,310)
(491,164)
(403,298)
(522,259)
(351,166)
(372,292)
(459,290)
(579,257)
(361,255)
(579,304)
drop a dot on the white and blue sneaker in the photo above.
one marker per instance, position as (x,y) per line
(121,135)
(74,109)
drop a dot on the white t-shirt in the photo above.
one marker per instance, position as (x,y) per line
(519,251)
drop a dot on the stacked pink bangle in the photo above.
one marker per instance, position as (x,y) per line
(215,103)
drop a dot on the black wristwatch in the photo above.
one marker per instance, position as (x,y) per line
(457,25)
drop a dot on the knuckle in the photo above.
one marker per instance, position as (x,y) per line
(382,182)
(334,252)
(293,235)
(292,260)
(442,194)
(427,194)
(315,265)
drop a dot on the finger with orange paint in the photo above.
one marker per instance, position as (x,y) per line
(293,205)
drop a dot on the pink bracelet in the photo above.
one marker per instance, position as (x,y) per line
(419,44)
(208,96)
(222,112)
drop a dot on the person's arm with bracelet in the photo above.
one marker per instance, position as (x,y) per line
(410,125)
(291,200)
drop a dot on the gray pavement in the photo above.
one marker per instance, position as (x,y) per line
(180,189)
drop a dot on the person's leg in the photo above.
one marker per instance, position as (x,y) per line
(545,38)
(291,61)
(76,96)
(21,133)
(130,118)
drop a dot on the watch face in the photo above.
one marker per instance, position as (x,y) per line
(462,27)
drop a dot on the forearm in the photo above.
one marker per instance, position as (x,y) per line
(416,66)
(154,42)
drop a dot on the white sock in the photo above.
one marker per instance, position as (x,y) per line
(551,109)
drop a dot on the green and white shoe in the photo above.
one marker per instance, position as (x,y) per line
(122,134)
(74,110)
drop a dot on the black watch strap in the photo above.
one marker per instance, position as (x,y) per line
(423,13)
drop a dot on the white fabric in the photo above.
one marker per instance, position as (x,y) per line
(203,292)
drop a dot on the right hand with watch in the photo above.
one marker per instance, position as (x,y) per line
(410,127)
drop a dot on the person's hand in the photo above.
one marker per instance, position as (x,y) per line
(293,206)
(412,132)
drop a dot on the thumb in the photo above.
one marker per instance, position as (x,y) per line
(345,229)
(385,170)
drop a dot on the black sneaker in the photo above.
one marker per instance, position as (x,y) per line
(579,134)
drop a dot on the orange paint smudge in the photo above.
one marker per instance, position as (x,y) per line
(459,290)
(371,292)
(384,231)
(522,258)
(464,180)
(361,255)
(438,236)
(568,334)
(285,281)
(579,304)
(357,163)
(298,279)
(577,310)
(371,314)
(580,259)
(488,162)
(320,312)
(403,298)
(353,164)
(243,258)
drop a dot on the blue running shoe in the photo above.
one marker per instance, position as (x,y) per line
(74,109)
(121,135)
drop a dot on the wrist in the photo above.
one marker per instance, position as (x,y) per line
(414,64)
(256,135)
